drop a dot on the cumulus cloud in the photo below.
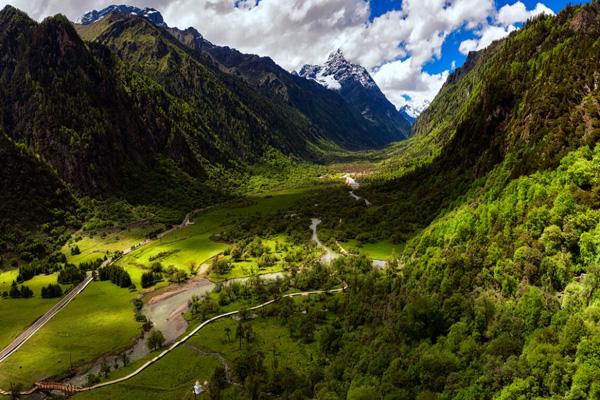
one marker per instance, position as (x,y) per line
(395,46)
(517,12)
(401,79)
(504,23)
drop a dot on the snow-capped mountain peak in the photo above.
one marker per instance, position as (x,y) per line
(337,71)
(356,86)
(149,13)
(414,110)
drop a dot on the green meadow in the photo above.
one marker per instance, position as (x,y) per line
(173,376)
(94,245)
(18,314)
(194,245)
(101,318)
(383,250)
(97,321)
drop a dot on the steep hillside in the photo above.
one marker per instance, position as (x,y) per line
(36,207)
(497,297)
(98,123)
(330,115)
(195,76)
(527,100)
(354,83)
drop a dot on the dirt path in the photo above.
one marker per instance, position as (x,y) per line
(222,360)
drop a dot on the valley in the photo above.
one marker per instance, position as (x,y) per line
(180,219)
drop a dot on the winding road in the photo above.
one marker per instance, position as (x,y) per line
(193,332)
(40,322)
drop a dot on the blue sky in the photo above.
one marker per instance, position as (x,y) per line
(450,49)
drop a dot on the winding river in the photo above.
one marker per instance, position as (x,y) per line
(166,310)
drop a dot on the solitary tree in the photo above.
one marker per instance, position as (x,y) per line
(240,332)
(217,382)
(155,340)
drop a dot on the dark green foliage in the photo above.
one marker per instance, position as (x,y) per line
(247,364)
(150,278)
(155,340)
(221,265)
(51,291)
(36,267)
(91,265)
(116,275)
(22,292)
(70,274)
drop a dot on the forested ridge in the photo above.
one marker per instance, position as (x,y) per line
(493,206)
(496,201)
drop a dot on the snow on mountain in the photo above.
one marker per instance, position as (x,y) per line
(414,110)
(336,71)
(150,13)
(354,83)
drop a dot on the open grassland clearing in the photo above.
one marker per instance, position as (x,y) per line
(94,245)
(190,247)
(98,321)
(18,314)
(383,250)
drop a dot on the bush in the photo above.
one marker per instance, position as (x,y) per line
(116,275)
(221,266)
(24,292)
(150,278)
(53,290)
(155,340)
(70,274)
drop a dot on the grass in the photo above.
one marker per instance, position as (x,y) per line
(94,246)
(190,247)
(383,250)
(18,314)
(172,377)
(271,338)
(99,320)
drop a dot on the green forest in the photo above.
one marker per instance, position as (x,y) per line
(167,220)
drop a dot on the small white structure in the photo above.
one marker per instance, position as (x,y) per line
(198,388)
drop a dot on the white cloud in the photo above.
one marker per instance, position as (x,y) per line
(517,13)
(405,78)
(394,46)
(295,33)
(503,24)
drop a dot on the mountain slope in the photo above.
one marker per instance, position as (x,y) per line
(34,203)
(356,86)
(330,115)
(222,100)
(326,109)
(496,294)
